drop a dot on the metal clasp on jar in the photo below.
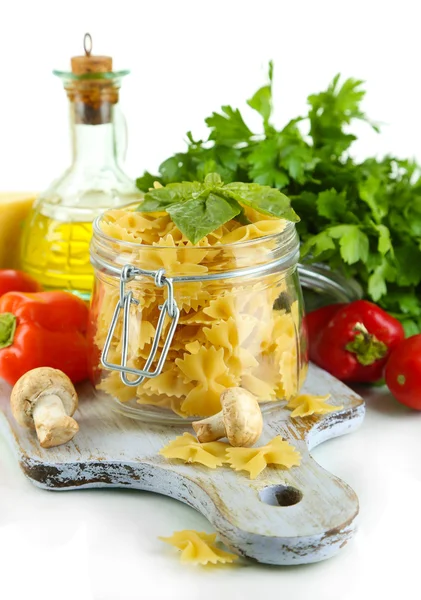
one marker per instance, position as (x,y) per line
(169,307)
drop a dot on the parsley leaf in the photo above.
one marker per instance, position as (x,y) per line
(331,205)
(229,127)
(353,242)
(261,101)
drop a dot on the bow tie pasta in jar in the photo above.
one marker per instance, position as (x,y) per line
(196,291)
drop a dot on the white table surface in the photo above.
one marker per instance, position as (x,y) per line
(103,544)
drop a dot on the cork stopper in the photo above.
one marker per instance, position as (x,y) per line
(92,98)
(81,65)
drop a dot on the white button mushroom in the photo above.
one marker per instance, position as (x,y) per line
(240,420)
(44,399)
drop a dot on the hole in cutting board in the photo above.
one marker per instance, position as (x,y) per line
(280,495)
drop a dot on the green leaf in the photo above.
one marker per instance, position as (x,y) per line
(262,102)
(368,191)
(385,243)
(354,245)
(318,244)
(409,303)
(202,207)
(160,199)
(408,261)
(377,285)
(270,71)
(410,327)
(198,217)
(262,198)
(228,128)
(331,111)
(147,180)
(228,157)
(331,205)
(264,164)
(213,180)
(174,169)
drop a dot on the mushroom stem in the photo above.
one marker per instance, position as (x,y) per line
(210,429)
(53,425)
(240,419)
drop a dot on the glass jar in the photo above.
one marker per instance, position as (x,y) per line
(57,233)
(322,286)
(172,326)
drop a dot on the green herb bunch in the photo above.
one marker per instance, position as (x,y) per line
(361,218)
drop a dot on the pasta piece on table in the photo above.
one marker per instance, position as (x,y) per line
(199,548)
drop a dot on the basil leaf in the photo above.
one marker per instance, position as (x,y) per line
(200,216)
(159,199)
(213,180)
(263,198)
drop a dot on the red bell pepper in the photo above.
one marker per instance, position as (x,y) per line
(17,281)
(46,329)
(355,342)
(316,321)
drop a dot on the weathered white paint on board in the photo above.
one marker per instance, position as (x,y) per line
(113,450)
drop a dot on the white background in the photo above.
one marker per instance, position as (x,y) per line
(187,58)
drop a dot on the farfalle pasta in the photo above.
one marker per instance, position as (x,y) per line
(306,405)
(254,460)
(199,548)
(234,329)
(186,448)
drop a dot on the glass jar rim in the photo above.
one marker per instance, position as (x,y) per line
(282,256)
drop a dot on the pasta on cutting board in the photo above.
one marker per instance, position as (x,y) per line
(186,448)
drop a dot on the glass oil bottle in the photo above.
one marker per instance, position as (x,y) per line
(57,233)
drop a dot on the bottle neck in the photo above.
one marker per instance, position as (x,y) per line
(94,146)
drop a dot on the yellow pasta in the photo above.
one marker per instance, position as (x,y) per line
(169,383)
(199,548)
(186,447)
(113,385)
(255,460)
(253,231)
(230,332)
(208,370)
(308,404)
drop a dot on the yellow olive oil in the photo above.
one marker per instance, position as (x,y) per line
(56,253)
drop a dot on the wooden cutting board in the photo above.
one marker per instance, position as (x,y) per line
(283,517)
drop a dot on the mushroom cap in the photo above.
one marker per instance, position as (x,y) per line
(242,416)
(40,382)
